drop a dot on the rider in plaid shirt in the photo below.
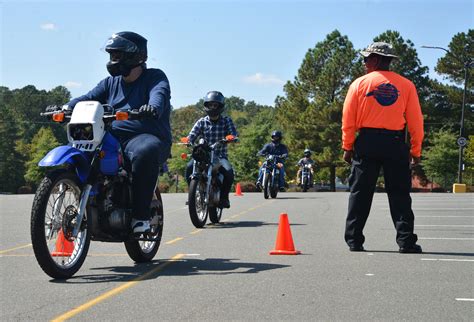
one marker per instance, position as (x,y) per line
(213,128)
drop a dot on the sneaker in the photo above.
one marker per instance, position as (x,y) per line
(224,203)
(282,189)
(414,249)
(259,185)
(140,226)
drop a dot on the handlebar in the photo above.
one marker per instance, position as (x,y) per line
(119,115)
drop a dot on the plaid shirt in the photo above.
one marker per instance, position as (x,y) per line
(213,132)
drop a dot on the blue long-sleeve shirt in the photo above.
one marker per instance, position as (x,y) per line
(152,87)
(275,149)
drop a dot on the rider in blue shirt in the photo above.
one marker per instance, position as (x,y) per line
(275,148)
(146,142)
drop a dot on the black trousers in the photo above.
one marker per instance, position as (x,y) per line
(374,150)
(144,153)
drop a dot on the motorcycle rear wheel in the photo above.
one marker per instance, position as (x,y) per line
(144,251)
(215,214)
(198,209)
(53,218)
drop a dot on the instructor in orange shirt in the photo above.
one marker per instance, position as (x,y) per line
(378,105)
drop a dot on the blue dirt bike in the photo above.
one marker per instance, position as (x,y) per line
(87,195)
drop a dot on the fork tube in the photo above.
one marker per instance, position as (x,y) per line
(209,177)
(82,208)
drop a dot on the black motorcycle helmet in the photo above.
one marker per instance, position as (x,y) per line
(127,50)
(277,136)
(307,153)
(214,103)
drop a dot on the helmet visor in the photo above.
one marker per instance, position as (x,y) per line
(117,43)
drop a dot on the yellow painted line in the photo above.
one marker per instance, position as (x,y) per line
(15,248)
(115,291)
(235,216)
(196,231)
(174,240)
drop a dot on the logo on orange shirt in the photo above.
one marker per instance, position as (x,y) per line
(385,94)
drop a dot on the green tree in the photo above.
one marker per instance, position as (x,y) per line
(253,136)
(453,65)
(40,145)
(11,166)
(310,113)
(441,158)
(469,161)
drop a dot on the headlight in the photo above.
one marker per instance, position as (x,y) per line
(81,132)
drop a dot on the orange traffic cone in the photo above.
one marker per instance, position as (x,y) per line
(284,243)
(238,190)
(64,247)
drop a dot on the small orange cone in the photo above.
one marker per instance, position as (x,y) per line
(238,190)
(64,247)
(284,243)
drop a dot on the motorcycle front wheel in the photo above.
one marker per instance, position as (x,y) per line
(274,187)
(305,184)
(53,218)
(198,209)
(266,185)
(142,251)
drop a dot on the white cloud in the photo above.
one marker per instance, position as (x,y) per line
(71,84)
(262,79)
(48,26)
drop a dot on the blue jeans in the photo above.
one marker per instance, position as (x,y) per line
(281,182)
(225,168)
(144,153)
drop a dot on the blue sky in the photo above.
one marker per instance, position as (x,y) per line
(243,48)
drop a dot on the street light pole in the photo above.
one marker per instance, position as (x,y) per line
(461,140)
(461,130)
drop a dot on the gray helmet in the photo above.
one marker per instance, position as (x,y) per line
(133,52)
(214,97)
(307,153)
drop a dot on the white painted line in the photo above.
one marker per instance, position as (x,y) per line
(192,254)
(444,225)
(447,259)
(369,274)
(436,208)
(463,299)
(370,254)
(444,216)
(446,238)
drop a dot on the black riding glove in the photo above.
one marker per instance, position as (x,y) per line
(147,111)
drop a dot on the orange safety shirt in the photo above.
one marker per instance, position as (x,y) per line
(383,100)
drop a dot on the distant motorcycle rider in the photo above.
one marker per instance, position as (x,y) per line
(213,128)
(302,162)
(274,148)
(146,142)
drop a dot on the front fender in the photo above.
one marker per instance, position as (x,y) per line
(67,155)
